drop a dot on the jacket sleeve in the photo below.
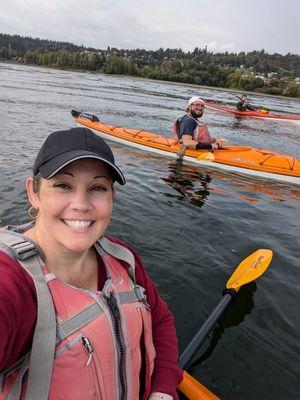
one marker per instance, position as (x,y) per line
(17,311)
(167,374)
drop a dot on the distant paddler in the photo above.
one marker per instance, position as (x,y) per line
(192,133)
(244,105)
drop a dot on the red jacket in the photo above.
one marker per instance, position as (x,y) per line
(18,316)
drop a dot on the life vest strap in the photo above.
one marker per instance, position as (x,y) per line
(77,321)
(11,370)
(15,392)
(118,251)
(44,338)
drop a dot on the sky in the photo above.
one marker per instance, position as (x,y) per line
(221,25)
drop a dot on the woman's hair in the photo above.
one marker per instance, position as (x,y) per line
(36,183)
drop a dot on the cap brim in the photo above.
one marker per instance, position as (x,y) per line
(53,166)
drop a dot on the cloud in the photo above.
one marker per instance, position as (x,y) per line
(216,47)
(220,25)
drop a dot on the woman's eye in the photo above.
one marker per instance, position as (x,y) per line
(62,186)
(99,188)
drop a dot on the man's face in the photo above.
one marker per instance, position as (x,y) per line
(197,109)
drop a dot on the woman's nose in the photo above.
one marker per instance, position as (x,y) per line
(80,200)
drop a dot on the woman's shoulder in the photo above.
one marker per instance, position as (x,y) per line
(8,263)
(13,275)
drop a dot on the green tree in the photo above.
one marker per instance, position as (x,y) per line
(4,54)
(292,90)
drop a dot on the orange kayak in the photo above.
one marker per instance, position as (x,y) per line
(292,118)
(195,390)
(247,160)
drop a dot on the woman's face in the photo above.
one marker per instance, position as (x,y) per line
(74,206)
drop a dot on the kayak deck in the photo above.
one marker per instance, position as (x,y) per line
(256,114)
(241,159)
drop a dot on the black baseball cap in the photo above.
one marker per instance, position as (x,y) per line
(63,147)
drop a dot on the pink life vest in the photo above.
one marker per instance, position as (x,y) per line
(200,134)
(103,338)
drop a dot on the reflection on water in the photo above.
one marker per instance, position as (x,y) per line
(234,315)
(194,185)
(240,125)
(186,182)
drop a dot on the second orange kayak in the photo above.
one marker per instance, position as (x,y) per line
(247,160)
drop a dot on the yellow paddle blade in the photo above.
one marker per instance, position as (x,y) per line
(194,390)
(206,156)
(250,268)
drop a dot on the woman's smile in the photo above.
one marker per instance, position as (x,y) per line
(77,225)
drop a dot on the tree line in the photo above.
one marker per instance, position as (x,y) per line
(253,71)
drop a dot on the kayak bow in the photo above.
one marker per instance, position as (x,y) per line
(241,159)
(195,390)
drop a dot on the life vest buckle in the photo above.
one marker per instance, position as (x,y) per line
(140,294)
(24,250)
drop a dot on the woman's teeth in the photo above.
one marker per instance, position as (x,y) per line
(78,225)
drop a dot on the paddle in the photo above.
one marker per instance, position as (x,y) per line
(181,151)
(247,271)
(208,156)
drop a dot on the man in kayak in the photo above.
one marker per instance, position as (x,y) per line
(193,134)
(243,104)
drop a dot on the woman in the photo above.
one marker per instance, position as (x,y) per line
(79,316)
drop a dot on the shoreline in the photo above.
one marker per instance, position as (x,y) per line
(231,90)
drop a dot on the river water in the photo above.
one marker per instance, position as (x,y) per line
(192,226)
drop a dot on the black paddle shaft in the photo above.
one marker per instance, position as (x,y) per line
(200,336)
